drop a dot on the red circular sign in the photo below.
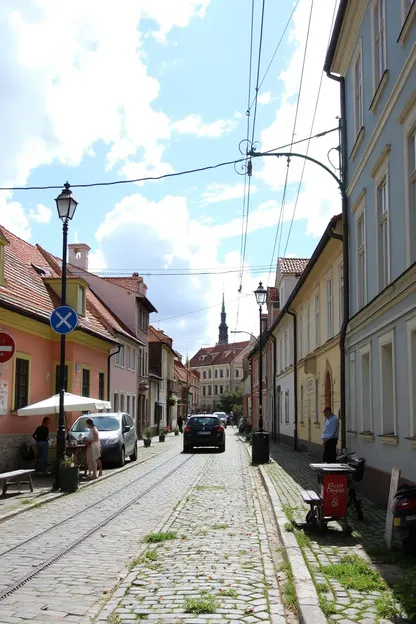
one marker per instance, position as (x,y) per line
(7,347)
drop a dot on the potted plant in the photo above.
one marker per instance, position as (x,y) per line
(162,434)
(176,430)
(172,400)
(68,474)
(147,440)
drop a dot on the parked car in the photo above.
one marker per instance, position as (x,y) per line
(117,434)
(203,430)
(223,418)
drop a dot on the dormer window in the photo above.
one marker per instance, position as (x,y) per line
(81,301)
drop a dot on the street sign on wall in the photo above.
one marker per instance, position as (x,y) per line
(64,320)
(7,347)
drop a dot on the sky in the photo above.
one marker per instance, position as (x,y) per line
(104,92)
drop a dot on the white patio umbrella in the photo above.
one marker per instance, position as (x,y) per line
(72,403)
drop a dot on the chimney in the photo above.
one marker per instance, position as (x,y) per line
(78,255)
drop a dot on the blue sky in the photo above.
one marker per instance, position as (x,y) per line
(160,87)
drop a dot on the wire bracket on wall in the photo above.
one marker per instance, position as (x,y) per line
(245,167)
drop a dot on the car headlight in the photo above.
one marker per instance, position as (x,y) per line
(112,440)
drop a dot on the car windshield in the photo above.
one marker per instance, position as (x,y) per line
(103,423)
(204,420)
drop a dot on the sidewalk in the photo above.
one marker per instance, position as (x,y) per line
(16,502)
(357,579)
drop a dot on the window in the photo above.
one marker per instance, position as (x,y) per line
(216,374)
(21,383)
(209,390)
(215,390)
(128,404)
(308,328)
(329,309)
(317,322)
(121,402)
(361,261)
(209,374)
(237,373)
(146,362)
(221,373)
(203,391)
(101,386)
(133,406)
(365,391)
(300,336)
(221,389)
(86,382)
(205,374)
(117,359)
(317,400)
(341,294)
(133,360)
(410,183)
(81,301)
(358,92)
(122,357)
(301,404)
(128,358)
(412,375)
(379,41)
(58,379)
(383,234)
(227,373)
(352,395)
(116,404)
(387,385)
(285,350)
(287,406)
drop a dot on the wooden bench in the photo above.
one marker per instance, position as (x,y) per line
(9,478)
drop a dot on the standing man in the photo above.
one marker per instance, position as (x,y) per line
(330,436)
(179,422)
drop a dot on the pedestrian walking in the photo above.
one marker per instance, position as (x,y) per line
(93,450)
(41,436)
(330,436)
(179,422)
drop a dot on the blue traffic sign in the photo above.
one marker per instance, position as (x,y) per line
(64,320)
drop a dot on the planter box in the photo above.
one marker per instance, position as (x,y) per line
(162,438)
(147,442)
(69,478)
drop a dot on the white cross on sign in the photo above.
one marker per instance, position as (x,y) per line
(64,319)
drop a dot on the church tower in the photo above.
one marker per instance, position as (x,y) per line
(223,327)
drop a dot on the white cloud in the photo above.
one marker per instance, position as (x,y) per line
(216,193)
(319,198)
(265,98)
(42,214)
(193,124)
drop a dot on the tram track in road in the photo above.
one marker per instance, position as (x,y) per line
(4,593)
(87,508)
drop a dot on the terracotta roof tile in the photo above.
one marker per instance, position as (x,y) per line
(130,283)
(220,354)
(291,265)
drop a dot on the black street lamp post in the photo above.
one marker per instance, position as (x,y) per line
(260,439)
(66,205)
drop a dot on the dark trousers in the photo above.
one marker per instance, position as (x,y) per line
(330,451)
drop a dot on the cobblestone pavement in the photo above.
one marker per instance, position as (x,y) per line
(72,585)
(220,563)
(290,473)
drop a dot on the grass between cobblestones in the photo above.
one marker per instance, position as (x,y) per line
(357,579)
(202,604)
(162,536)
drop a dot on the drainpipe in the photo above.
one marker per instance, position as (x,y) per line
(295,377)
(276,434)
(345,255)
(109,368)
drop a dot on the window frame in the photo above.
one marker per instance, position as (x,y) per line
(301,336)
(308,328)
(375,39)
(116,401)
(408,121)
(81,301)
(358,123)
(411,330)
(101,376)
(287,406)
(329,306)
(363,351)
(383,230)
(317,316)
(302,399)
(383,341)
(85,368)
(361,257)
(341,285)
(27,358)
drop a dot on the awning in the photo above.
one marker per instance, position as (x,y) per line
(72,403)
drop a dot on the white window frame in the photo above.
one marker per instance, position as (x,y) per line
(308,328)
(133,360)
(352,393)
(81,304)
(361,253)
(385,339)
(406,9)
(378,40)
(121,362)
(366,350)
(341,293)
(287,406)
(300,336)
(128,357)
(411,329)
(286,349)
(302,398)
(383,231)
(357,90)
(317,304)
(408,121)
(329,306)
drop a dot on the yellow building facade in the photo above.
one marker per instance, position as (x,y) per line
(318,305)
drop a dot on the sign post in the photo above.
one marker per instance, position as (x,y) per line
(394,484)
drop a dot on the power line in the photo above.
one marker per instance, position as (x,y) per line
(258,71)
(217,305)
(161,177)
(309,143)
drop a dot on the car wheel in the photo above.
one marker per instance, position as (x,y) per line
(221,449)
(133,457)
(122,458)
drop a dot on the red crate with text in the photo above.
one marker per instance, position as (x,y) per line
(334,493)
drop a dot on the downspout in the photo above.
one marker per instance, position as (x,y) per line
(295,377)
(109,368)
(276,434)
(345,255)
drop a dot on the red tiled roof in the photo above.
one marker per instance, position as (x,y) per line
(157,335)
(26,267)
(220,354)
(130,283)
(292,265)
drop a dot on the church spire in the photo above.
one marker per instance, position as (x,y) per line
(223,327)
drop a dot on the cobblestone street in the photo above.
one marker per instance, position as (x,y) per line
(341,601)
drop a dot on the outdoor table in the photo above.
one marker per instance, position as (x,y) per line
(331,502)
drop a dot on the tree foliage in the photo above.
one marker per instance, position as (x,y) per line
(232,401)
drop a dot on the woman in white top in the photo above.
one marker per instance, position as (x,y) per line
(93,448)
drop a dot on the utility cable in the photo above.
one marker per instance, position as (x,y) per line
(253,129)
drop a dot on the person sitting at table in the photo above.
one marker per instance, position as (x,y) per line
(330,436)
(41,436)
(93,448)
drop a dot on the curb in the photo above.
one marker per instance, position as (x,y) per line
(52,497)
(309,610)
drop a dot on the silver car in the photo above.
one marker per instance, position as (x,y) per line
(117,434)
(223,418)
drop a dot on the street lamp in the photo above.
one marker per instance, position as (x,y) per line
(241,331)
(260,439)
(66,205)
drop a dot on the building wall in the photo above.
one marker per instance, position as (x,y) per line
(284,379)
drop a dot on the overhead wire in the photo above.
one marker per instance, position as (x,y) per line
(216,305)
(279,228)
(309,143)
(253,128)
